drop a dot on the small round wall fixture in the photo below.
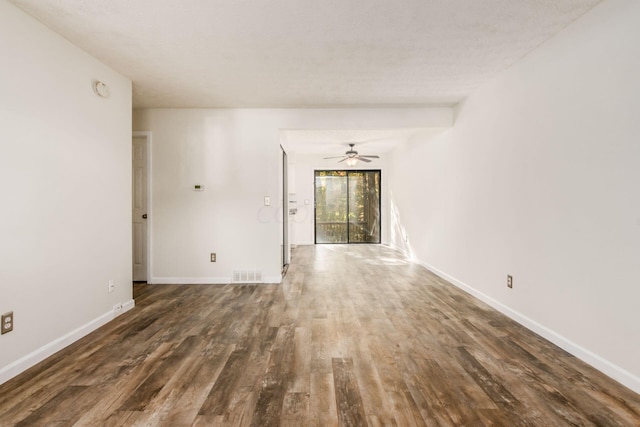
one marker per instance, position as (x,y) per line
(101,89)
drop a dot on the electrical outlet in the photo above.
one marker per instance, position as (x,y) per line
(112,286)
(7,323)
(117,309)
(509,281)
(213,257)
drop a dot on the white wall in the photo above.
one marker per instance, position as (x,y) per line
(540,178)
(235,155)
(65,171)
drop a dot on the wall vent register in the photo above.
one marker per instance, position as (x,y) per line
(247,276)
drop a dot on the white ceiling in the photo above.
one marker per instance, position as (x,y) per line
(306,53)
(336,142)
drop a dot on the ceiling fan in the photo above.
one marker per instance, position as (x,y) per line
(351,156)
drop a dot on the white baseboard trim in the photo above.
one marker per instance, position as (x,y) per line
(189,280)
(126,306)
(203,280)
(38,355)
(272,279)
(610,369)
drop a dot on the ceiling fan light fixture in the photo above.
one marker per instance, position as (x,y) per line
(351,157)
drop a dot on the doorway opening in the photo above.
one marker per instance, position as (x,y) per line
(140,203)
(347,208)
(285,248)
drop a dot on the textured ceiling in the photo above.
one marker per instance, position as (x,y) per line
(336,142)
(297,53)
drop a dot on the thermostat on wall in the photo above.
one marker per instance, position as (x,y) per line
(198,187)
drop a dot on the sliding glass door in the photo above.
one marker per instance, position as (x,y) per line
(347,206)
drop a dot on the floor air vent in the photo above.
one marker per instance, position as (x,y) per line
(247,276)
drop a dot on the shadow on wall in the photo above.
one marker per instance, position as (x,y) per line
(399,238)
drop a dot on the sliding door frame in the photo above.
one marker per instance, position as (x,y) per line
(315,205)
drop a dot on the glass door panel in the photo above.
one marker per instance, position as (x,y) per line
(347,206)
(331,207)
(364,207)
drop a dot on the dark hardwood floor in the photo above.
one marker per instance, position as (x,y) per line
(354,336)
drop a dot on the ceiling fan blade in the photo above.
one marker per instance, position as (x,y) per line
(370,157)
(334,157)
(340,161)
(361,158)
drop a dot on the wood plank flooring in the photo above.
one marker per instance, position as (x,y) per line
(354,336)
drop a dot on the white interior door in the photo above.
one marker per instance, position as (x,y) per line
(139,204)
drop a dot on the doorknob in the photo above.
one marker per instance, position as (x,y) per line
(144,216)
